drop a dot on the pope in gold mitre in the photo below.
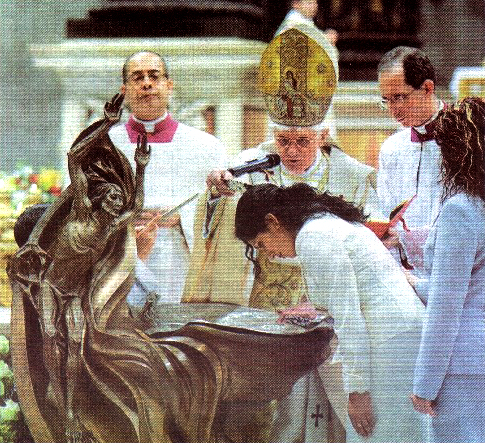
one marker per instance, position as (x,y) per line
(297,78)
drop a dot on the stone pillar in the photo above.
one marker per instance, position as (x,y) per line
(229,123)
(73,121)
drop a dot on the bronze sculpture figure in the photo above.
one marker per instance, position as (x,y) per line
(88,370)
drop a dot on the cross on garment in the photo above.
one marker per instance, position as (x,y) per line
(317,415)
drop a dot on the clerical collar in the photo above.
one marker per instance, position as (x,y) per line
(150,125)
(425,132)
(160,130)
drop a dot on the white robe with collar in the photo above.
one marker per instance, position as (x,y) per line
(176,171)
(407,168)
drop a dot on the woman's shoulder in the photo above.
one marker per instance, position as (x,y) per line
(324,225)
(326,219)
(319,233)
(464,202)
(463,207)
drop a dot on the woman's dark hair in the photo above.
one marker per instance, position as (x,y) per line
(460,132)
(292,206)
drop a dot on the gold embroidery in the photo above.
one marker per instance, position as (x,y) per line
(278,285)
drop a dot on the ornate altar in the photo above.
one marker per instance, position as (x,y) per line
(174,18)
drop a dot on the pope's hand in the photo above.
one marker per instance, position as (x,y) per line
(217,182)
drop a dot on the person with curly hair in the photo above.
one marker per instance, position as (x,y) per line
(350,273)
(449,380)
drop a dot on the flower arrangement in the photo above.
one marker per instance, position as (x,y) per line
(12,424)
(26,187)
(17,191)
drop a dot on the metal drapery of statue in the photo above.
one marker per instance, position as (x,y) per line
(88,369)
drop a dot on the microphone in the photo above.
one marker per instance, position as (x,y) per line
(269,161)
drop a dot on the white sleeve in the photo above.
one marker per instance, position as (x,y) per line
(332,284)
(216,159)
(385,182)
(372,207)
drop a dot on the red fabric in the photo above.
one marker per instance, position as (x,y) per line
(164,131)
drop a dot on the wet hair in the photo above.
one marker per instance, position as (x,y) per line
(415,63)
(124,71)
(292,206)
(460,132)
(26,222)
(98,192)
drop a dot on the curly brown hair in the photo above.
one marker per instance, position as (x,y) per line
(460,131)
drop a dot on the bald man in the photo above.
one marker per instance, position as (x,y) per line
(182,157)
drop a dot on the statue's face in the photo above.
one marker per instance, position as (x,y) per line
(113,201)
(147,89)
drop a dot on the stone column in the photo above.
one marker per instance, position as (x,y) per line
(229,123)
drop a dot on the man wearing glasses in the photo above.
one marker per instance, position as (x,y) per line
(409,160)
(181,158)
(300,139)
(307,157)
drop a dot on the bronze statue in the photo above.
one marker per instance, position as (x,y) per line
(89,370)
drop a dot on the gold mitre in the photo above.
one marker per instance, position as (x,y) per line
(297,78)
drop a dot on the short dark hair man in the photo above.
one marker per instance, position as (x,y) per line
(409,160)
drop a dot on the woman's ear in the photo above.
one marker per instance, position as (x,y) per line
(271,221)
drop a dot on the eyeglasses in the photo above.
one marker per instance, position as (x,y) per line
(396,99)
(301,142)
(139,77)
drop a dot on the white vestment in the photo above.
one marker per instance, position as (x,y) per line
(181,158)
(334,172)
(216,275)
(407,168)
(377,320)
